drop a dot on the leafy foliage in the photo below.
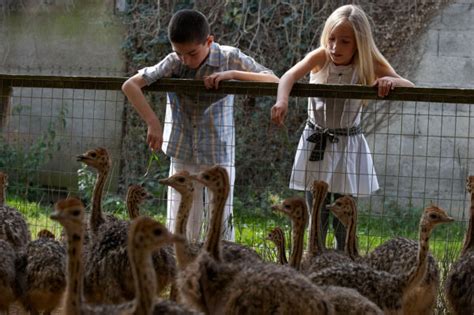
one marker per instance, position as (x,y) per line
(23,157)
(277,34)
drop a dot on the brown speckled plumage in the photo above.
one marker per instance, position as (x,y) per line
(182,182)
(13,226)
(345,300)
(318,256)
(45,233)
(98,159)
(136,195)
(295,208)
(184,185)
(277,236)
(459,287)
(217,287)
(315,259)
(167,307)
(385,289)
(396,256)
(146,235)
(8,286)
(348,301)
(108,274)
(44,274)
(345,209)
(70,214)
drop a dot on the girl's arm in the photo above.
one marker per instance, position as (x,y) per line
(313,61)
(388,79)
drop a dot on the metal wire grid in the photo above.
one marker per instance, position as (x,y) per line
(422,153)
(54,126)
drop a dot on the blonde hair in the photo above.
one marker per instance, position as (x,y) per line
(367,54)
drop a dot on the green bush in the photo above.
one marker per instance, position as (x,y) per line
(22,159)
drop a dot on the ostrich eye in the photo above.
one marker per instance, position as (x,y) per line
(433,216)
(287,207)
(157,232)
(93,154)
(206,177)
(76,213)
(181,180)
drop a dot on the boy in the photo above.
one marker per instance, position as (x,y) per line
(199,129)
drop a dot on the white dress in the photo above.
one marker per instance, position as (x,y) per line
(347,165)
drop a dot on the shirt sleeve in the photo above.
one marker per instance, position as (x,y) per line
(166,68)
(243,62)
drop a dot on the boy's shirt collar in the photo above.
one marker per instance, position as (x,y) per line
(214,58)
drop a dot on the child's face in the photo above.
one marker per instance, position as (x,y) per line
(342,44)
(192,54)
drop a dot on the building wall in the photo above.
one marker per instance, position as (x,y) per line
(64,38)
(432,144)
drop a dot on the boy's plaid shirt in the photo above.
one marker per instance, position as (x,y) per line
(200,128)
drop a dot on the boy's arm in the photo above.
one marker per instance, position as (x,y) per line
(212,81)
(239,66)
(132,88)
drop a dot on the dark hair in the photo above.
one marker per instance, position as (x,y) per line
(188,26)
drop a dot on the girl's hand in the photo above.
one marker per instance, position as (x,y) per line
(154,136)
(278,112)
(385,85)
(212,81)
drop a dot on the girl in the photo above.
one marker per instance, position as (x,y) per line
(332,147)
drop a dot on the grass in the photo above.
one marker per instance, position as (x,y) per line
(37,216)
(252,227)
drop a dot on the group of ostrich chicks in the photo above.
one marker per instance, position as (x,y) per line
(104,265)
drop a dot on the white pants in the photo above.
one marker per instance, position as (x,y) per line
(199,215)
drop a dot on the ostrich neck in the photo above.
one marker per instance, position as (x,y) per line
(351,239)
(215,228)
(183,214)
(182,255)
(468,240)
(282,252)
(315,245)
(132,208)
(417,272)
(74,272)
(297,248)
(2,195)
(144,277)
(96,215)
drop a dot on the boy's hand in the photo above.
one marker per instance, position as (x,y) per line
(278,112)
(154,136)
(385,85)
(212,81)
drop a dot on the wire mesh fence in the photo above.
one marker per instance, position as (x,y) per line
(419,138)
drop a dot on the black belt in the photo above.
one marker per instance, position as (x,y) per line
(321,135)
